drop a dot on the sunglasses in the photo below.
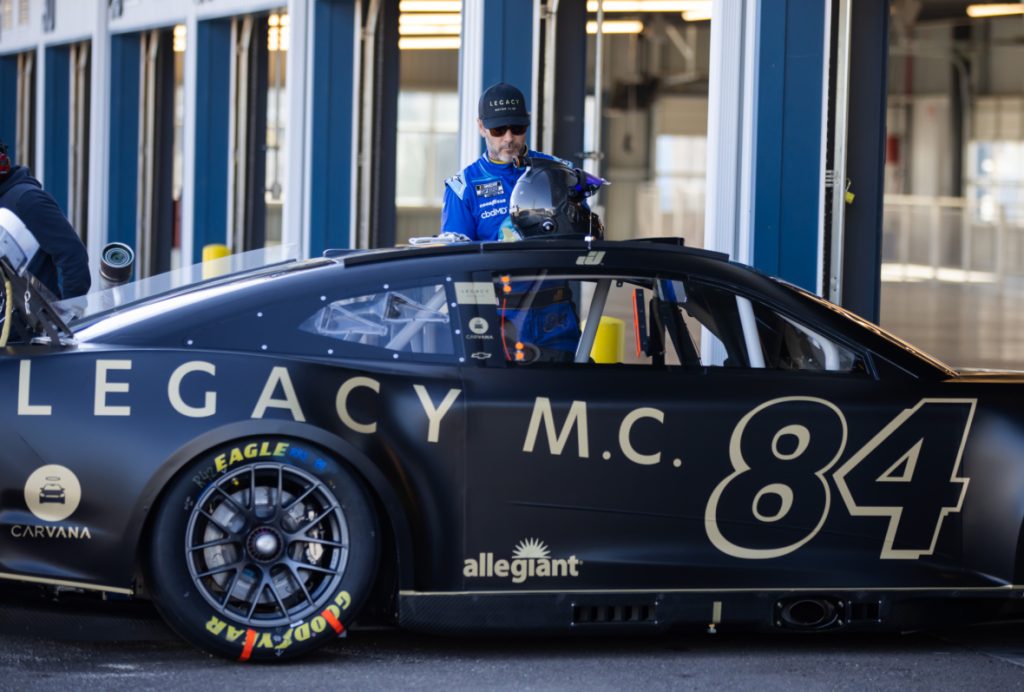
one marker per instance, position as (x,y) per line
(500,131)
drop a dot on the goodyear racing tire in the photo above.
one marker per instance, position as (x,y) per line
(262,549)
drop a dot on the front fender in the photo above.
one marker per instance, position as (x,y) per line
(994,510)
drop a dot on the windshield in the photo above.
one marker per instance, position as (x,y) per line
(853,317)
(75,310)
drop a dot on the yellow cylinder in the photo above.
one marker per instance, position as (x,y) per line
(214,262)
(609,346)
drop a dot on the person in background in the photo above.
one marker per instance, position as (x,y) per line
(62,263)
(476,200)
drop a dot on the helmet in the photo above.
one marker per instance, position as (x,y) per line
(547,201)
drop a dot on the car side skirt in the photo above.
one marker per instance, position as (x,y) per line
(66,582)
(596,612)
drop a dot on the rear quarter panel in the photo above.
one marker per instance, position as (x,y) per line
(125,422)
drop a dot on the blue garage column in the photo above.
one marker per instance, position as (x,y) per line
(497,46)
(124,139)
(788,169)
(9,106)
(213,120)
(865,166)
(508,47)
(56,124)
(332,157)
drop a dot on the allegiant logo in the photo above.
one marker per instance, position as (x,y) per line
(529,559)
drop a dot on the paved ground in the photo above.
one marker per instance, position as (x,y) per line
(980,658)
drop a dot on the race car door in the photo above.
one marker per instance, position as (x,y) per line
(700,438)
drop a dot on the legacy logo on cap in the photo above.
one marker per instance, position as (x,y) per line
(503,104)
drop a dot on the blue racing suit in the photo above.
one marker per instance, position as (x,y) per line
(476,200)
(476,204)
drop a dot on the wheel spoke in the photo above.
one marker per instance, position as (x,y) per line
(255,597)
(314,568)
(280,492)
(313,522)
(225,530)
(300,498)
(252,489)
(320,541)
(222,568)
(277,596)
(231,587)
(232,500)
(290,564)
(213,544)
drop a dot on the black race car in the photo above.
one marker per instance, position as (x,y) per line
(542,436)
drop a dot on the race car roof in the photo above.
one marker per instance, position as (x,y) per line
(673,244)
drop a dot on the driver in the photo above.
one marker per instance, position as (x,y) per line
(476,200)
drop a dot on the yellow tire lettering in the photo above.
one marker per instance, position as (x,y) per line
(343,600)
(286,641)
(318,624)
(253,450)
(234,634)
(215,625)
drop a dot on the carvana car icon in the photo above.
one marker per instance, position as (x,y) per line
(51,491)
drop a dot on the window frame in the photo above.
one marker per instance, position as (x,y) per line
(598,274)
(342,349)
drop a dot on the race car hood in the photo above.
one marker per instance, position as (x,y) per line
(977,375)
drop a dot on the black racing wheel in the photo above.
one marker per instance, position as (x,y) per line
(262,549)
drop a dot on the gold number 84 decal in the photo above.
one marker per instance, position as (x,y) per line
(774,503)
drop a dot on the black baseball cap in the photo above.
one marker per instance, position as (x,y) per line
(503,104)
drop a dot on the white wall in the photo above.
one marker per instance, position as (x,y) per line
(138,15)
(929,152)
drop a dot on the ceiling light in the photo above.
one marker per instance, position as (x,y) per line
(429,30)
(178,43)
(277,32)
(445,19)
(697,15)
(997,10)
(429,43)
(623,26)
(649,5)
(430,6)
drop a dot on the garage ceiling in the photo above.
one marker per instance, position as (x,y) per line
(939,10)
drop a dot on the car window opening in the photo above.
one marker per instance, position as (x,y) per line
(660,321)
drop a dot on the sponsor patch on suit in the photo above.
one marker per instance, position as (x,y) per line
(492,188)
